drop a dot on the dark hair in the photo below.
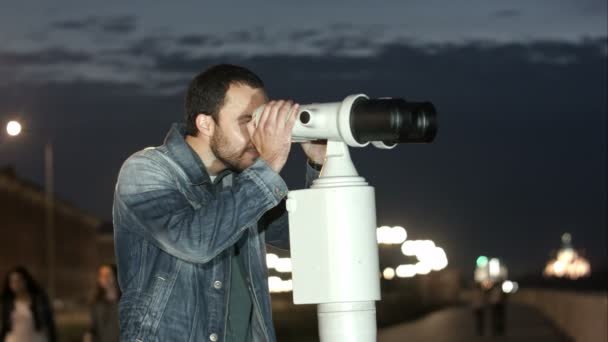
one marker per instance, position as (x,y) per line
(40,306)
(100,292)
(207,91)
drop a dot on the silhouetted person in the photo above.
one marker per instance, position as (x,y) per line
(478,303)
(26,312)
(104,308)
(497,300)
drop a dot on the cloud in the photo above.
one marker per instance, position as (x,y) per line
(507,14)
(118,25)
(43,57)
(199,40)
(147,46)
(299,35)
(115,25)
(160,61)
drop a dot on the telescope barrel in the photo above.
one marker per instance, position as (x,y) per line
(393,120)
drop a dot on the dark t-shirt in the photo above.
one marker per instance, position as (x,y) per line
(238,326)
(239,304)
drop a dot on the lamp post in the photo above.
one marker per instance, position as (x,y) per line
(13,128)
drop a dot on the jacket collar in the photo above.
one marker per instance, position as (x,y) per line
(179,150)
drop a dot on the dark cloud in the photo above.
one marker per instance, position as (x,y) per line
(256,35)
(44,57)
(332,45)
(199,40)
(118,25)
(341,26)
(507,14)
(150,46)
(81,24)
(303,34)
(109,25)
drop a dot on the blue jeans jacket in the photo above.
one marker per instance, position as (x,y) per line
(173,229)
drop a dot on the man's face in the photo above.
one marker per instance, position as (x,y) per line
(231,140)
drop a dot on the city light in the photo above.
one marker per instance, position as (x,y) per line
(13,128)
(490,270)
(568,263)
(271,260)
(406,271)
(278,285)
(409,248)
(435,258)
(427,253)
(391,236)
(482,261)
(388,273)
(494,267)
(416,247)
(430,258)
(283,265)
(422,268)
(509,286)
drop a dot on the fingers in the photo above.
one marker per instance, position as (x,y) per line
(272,116)
(265,113)
(293,116)
(277,115)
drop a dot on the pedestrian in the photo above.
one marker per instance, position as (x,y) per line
(478,304)
(104,307)
(27,315)
(498,302)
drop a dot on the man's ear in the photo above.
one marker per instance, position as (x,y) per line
(205,124)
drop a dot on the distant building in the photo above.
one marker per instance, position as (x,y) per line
(79,249)
(568,263)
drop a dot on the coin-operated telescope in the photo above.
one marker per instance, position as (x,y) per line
(332,225)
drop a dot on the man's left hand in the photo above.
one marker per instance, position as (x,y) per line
(315,150)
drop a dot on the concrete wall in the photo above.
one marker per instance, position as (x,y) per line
(583,316)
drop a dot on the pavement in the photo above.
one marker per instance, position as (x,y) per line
(457,324)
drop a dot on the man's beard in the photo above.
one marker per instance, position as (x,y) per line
(233,159)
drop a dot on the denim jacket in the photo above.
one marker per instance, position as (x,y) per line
(173,231)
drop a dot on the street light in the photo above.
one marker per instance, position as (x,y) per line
(13,128)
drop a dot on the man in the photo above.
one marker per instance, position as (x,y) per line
(192,217)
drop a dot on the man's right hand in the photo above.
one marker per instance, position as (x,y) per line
(272,136)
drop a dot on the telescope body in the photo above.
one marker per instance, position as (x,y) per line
(334,249)
(332,225)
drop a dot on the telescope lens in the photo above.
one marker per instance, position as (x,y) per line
(393,121)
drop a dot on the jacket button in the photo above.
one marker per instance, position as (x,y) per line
(217,284)
(213,337)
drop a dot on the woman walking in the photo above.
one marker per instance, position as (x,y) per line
(26,314)
(104,309)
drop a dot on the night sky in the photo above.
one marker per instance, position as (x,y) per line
(520,156)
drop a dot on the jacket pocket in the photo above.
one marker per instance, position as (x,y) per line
(155,302)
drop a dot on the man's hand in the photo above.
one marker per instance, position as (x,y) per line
(272,136)
(315,150)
